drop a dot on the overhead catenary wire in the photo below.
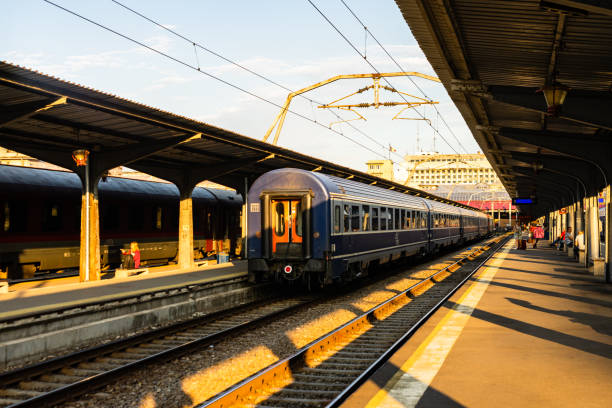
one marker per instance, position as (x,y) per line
(402,69)
(186,64)
(263,77)
(372,65)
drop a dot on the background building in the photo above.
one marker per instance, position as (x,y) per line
(381,168)
(432,169)
(466,178)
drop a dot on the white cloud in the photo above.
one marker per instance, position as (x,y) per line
(167,81)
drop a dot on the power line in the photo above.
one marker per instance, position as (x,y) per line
(402,69)
(218,55)
(374,68)
(186,64)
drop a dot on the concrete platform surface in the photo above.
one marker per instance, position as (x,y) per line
(533,329)
(49,297)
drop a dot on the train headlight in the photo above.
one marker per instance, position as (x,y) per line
(288,269)
(316,235)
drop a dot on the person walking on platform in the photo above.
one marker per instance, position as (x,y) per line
(538,234)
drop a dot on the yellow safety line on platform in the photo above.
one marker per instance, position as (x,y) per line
(17,313)
(417,373)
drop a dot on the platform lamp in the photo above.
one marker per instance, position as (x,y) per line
(80,157)
(554,95)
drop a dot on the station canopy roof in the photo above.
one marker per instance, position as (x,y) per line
(48,118)
(497,58)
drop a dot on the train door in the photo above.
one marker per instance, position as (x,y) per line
(287,228)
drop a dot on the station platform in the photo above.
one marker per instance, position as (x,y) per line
(532,329)
(68,292)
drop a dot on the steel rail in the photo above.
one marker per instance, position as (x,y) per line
(273,375)
(96,381)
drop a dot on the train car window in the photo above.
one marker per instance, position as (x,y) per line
(158,214)
(298,219)
(346,219)
(389,218)
(365,224)
(279,219)
(52,217)
(383,219)
(6,217)
(374,219)
(397,219)
(355,218)
(403,216)
(337,219)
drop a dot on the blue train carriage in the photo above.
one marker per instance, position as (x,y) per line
(319,228)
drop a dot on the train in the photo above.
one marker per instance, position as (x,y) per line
(317,230)
(40,220)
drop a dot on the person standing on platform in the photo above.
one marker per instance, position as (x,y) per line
(135,251)
(517,236)
(130,258)
(538,234)
(569,238)
(579,244)
(524,237)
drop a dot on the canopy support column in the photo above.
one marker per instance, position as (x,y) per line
(185,238)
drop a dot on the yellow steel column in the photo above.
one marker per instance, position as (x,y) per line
(185,245)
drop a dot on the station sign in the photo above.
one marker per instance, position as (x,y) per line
(523,200)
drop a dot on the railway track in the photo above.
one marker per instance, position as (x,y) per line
(66,377)
(326,371)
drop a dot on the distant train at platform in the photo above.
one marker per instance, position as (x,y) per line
(40,214)
(316,229)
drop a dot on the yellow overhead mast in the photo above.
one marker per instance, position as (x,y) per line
(280,118)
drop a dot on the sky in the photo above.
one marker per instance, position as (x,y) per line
(288,42)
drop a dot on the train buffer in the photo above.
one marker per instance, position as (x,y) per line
(533,329)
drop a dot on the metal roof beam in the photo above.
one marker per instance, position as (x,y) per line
(50,153)
(584,171)
(22,111)
(579,6)
(187,177)
(123,155)
(590,108)
(552,183)
(596,151)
